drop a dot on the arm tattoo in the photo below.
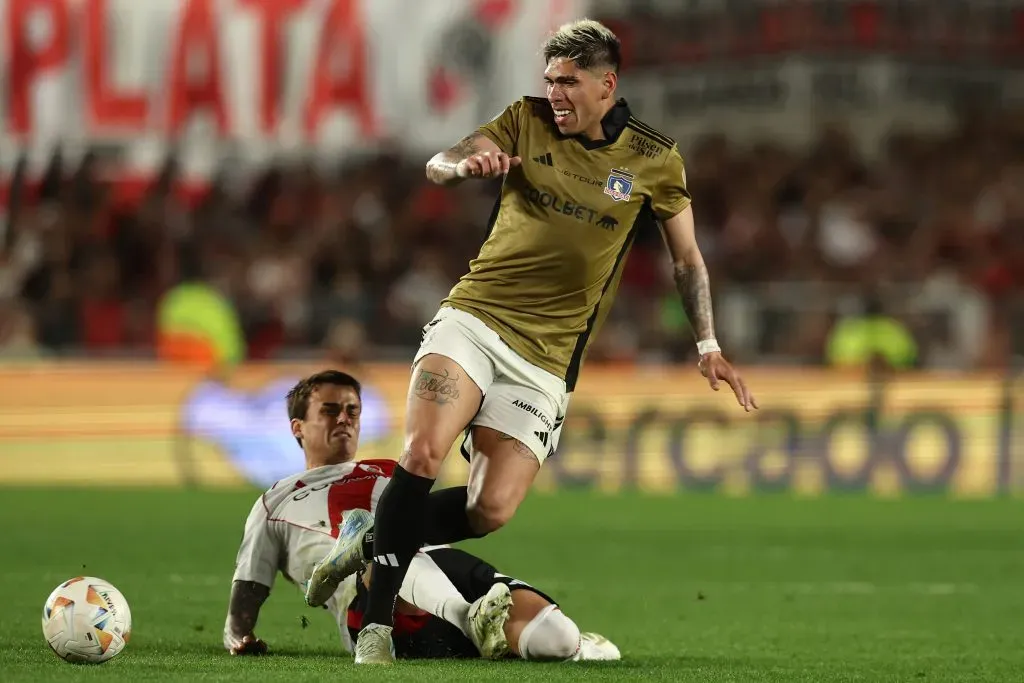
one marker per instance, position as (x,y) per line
(466,146)
(694,287)
(247,597)
(519,447)
(442,388)
(441,169)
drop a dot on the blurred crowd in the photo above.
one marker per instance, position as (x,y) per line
(354,262)
(931,233)
(658,32)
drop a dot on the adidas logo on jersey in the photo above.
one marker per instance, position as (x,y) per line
(543,436)
(544,159)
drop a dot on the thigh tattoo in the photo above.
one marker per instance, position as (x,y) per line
(519,447)
(442,388)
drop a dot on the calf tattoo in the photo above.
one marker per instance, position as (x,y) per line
(442,388)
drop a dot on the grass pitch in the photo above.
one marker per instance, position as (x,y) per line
(691,588)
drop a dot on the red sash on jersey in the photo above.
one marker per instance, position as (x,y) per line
(355,489)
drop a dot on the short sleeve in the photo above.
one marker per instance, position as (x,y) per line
(258,557)
(670,195)
(503,129)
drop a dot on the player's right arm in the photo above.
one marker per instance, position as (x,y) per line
(488,152)
(255,569)
(474,156)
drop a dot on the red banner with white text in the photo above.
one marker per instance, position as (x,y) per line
(254,79)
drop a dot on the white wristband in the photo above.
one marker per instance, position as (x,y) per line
(707,346)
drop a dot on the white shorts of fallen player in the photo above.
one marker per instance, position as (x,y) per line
(520,399)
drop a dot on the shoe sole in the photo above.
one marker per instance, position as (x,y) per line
(495,609)
(344,560)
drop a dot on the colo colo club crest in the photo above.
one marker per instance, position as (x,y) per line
(619,185)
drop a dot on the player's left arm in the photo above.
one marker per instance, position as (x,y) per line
(672,205)
(247,597)
(691,275)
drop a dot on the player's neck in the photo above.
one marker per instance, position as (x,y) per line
(313,462)
(596,131)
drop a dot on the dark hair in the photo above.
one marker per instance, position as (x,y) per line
(587,42)
(298,397)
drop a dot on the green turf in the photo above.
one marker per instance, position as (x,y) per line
(692,588)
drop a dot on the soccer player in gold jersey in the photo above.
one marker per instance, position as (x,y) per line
(501,358)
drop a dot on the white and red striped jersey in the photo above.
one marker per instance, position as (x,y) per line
(294,523)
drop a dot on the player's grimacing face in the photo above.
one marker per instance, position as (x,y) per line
(576,96)
(331,427)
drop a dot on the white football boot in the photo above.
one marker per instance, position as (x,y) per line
(344,560)
(596,648)
(487,617)
(374,645)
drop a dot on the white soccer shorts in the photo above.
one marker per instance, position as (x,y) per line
(520,399)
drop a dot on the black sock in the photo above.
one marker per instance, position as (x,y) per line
(447,519)
(398,534)
(368,545)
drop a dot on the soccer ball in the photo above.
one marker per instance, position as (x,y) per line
(86,620)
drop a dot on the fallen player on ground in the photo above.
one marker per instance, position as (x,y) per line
(451,603)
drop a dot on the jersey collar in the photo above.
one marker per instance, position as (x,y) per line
(613,123)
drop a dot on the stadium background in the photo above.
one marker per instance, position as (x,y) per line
(205,200)
(857,176)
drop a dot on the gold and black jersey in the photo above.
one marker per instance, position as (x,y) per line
(560,231)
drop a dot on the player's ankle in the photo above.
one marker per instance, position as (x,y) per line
(457,614)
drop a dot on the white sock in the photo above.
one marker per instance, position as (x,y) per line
(427,587)
(550,635)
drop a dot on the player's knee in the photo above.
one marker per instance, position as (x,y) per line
(488,514)
(423,457)
(550,636)
(493,506)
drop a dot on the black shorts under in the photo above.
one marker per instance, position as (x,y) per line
(426,636)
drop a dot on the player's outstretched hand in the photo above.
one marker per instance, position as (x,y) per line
(486,165)
(250,645)
(717,369)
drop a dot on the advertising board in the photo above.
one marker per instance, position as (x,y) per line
(627,429)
